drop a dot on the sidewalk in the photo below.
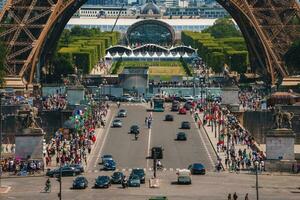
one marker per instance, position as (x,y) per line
(98,132)
(213,137)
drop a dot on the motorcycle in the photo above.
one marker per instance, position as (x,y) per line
(136,136)
(47,188)
(124,184)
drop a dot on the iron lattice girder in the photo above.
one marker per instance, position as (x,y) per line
(269,20)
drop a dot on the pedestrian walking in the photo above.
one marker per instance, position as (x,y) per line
(235,196)
(229,197)
(246,197)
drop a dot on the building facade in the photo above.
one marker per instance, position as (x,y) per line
(202,12)
(123,24)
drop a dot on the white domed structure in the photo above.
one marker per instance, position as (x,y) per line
(150,8)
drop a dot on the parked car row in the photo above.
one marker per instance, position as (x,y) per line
(136,178)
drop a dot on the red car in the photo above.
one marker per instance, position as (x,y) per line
(182,111)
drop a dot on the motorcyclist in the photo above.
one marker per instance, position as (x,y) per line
(118,104)
(124,182)
(159,165)
(136,136)
(48,185)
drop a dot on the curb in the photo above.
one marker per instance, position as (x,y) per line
(213,146)
(9,177)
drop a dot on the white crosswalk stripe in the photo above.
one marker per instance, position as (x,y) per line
(130,169)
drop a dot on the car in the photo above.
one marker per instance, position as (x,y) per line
(188,98)
(126,98)
(159,198)
(175,106)
(134,181)
(117,123)
(80,183)
(181,136)
(106,157)
(140,173)
(102,182)
(177,98)
(182,111)
(135,129)
(185,125)
(188,105)
(184,180)
(78,166)
(122,113)
(65,171)
(184,177)
(117,177)
(109,165)
(197,168)
(169,118)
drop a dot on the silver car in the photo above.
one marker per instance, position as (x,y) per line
(117,123)
(122,113)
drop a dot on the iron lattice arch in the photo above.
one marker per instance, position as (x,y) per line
(30,29)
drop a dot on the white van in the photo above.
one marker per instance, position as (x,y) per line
(184,176)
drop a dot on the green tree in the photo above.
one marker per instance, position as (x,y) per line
(65,37)
(237,60)
(292,58)
(223,28)
(62,66)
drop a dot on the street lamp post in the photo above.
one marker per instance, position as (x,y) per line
(256,175)
(0,139)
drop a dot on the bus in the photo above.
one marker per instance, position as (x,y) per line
(158,104)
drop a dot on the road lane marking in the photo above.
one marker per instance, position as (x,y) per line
(104,139)
(205,147)
(98,139)
(148,147)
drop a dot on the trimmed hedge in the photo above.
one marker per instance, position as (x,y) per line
(211,50)
(84,52)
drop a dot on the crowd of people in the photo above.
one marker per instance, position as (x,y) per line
(233,140)
(55,102)
(73,147)
(250,100)
(20,167)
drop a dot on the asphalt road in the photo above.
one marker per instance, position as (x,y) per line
(179,154)
(213,186)
(130,153)
(126,151)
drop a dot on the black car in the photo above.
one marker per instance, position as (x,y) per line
(102,182)
(181,136)
(185,125)
(65,171)
(140,173)
(169,118)
(134,181)
(135,129)
(78,166)
(109,165)
(197,168)
(117,177)
(80,183)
